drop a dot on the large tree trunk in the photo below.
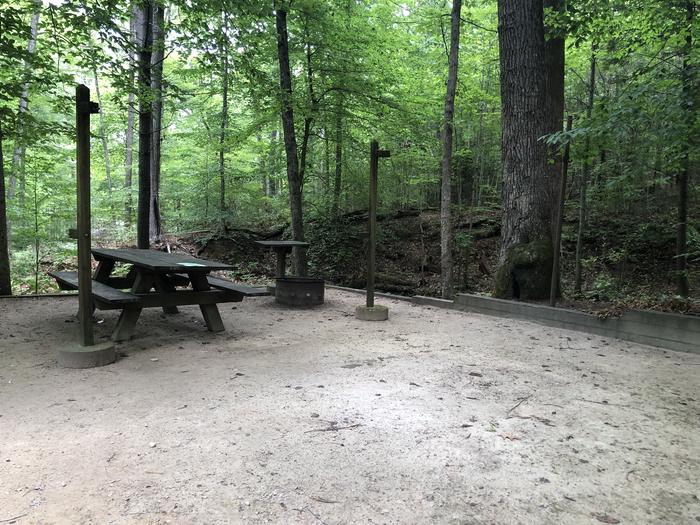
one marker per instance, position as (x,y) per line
(130,118)
(585,176)
(105,144)
(224,122)
(525,259)
(145,122)
(17,169)
(688,104)
(157,57)
(337,182)
(554,62)
(5,281)
(290,142)
(447,281)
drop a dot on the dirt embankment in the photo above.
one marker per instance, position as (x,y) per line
(408,251)
(623,268)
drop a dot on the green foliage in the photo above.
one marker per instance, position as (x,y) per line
(376,67)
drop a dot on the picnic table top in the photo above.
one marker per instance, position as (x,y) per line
(282,244)
(159,261)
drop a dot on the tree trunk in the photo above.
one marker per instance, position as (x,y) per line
(5,281)
(145,122)
(131,117)
(585,176)
(290,142)
(17,169)
(157,57)
(271,173)
(337,183)
(525,259)
(224,122)
(555,288)
(105,145)
(309,119)
(688,103)
(447,280)
(554,62)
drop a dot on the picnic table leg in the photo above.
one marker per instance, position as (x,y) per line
(127,320)
(104,268)
(163,285)
(209,311)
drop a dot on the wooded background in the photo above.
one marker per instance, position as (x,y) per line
(199,108)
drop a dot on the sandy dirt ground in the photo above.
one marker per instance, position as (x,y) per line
(310,416)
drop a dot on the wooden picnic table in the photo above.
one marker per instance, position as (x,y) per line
(161,272)
(282,249)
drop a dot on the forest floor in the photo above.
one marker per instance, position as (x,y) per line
(310,416)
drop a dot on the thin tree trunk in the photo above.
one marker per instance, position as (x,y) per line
(688,101)
(145,122)
(224,123)
(5,281)
(271,175)
(309,119)
(131,117)
(157,57)
(555,288)
(105,145)
(585,176)
(290,143)
(337,183)
(326,166)
(447,280)
(17,169)
(525,259)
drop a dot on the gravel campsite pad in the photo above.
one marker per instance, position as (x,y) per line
(311,416)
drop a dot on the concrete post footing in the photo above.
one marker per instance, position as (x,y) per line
(87,356)
(372,313)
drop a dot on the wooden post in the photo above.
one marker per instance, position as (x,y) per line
(372,220)
(375,153)
(83,109)
(554,286)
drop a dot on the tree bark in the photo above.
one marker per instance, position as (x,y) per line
(688,103)
(585,176)
(5,281)
(525,259)
(554,62)
(131,117)
(145,122)
(447,280)
(157,57)
(105,145)
(290,143)
(17,169)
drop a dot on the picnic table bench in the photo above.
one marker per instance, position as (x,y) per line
(162,272)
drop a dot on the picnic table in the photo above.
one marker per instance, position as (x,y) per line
(153,281)
(282,249)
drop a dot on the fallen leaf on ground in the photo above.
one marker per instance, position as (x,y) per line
(604,518)
(509,436)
